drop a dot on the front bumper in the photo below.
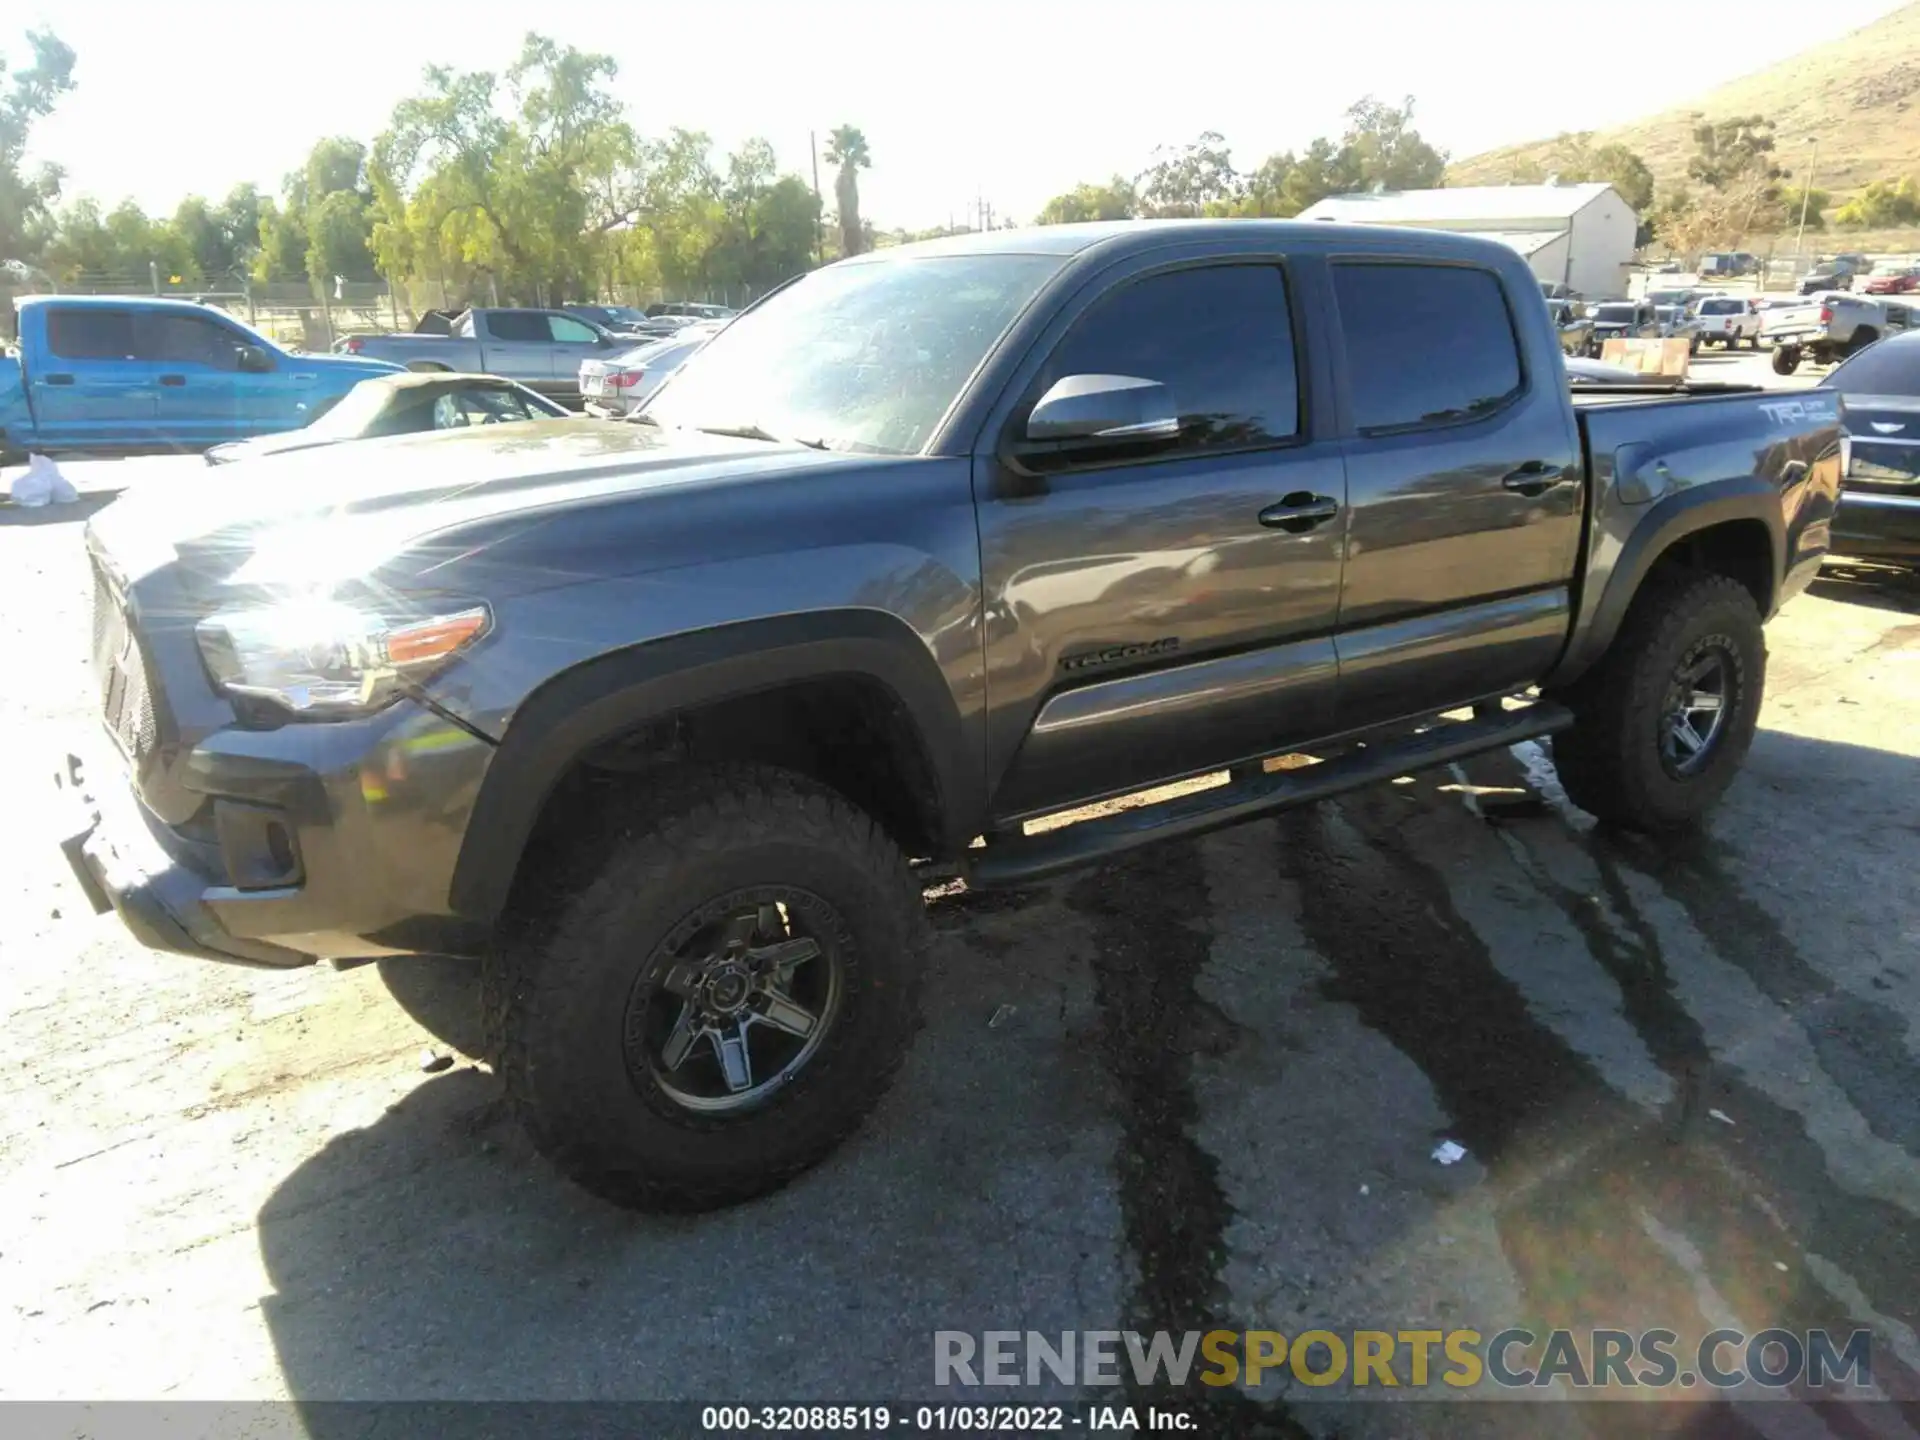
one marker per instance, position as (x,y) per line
(312,841)
(1871,525)
(115,849)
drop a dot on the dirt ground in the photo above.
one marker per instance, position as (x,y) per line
(1200,1087)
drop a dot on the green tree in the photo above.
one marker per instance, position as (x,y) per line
(1188,180)
(1324,169)
(30,95)
(1382,148)
(847,149)
(280,252)
(1883,204)
(1114,200)
(1731,152)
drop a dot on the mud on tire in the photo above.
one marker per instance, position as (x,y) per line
(1688,636)
(724,877)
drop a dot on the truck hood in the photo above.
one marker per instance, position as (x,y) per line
(336,513)
(350,369)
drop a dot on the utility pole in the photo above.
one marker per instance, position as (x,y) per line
(819,210)
(1806,195)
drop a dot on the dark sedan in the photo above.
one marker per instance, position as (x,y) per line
(1879,388)
(404,404)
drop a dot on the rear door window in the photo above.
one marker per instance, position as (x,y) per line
(1426,344)
(519,326)
(90,332)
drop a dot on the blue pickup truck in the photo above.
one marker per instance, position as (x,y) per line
(120,375)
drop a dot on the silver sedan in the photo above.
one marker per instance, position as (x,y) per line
(620,384)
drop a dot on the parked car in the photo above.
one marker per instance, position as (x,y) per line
(125,376)
(1879,390)
(1829,275)
(1624,320)
(407,403)
(542,349)
(1833,327)
(614,319)
(1575,325)
(620,386)
(933,542)
(1727,320)
(1895,282)
(1676,322)
(692,309)
(1683,296)
(1738,262)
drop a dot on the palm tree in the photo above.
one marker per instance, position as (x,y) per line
(847,148)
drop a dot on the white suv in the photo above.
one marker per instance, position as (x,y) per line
(1727,320)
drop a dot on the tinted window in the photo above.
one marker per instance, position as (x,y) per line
(518,325)
(174,339)
(1425,343)
(570,332)
(1888,368)
(1220,339)
(90,333)
(1722,307)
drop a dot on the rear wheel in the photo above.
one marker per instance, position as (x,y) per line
(1786,359)
(1665,719)
(715,1000)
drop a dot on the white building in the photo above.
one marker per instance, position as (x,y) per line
(1580,236)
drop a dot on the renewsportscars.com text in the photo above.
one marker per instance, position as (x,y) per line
(1457,1359)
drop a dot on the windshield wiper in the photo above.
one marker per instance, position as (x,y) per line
(758,432)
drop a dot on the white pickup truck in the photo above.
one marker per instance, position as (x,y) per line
(1830,327)
(1727,320)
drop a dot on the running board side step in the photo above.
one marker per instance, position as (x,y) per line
(1019,860)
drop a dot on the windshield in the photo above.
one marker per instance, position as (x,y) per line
(1888,368)
(357,409)
(1721,307)
(866,356)
(1614,314)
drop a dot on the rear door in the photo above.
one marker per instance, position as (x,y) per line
(1143,621)
(1464,475)
(519,345)
(89,384)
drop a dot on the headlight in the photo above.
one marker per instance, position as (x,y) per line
(328,657)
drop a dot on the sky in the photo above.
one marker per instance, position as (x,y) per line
(1013,102)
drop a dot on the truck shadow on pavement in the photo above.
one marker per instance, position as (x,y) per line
(1738,1144)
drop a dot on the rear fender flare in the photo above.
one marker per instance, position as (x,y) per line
(604,697)
(1668,522)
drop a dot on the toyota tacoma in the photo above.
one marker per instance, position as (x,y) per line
(668,723)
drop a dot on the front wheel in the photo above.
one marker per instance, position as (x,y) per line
(718,999)
(1786,359)
(1665,718)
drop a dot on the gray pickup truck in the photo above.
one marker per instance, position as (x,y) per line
(542,349)
(667,723)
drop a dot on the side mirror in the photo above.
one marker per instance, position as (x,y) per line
(1104,408)
(254,360)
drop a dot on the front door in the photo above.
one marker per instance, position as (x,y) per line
(573,342)
(203,394)
(1464,474)
(1142,620)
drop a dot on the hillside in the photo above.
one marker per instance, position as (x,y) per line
(1860,95)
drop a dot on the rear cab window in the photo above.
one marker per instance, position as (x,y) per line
(1425,344)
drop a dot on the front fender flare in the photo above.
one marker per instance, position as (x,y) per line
(601,698)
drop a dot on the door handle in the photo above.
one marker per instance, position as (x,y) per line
(1299,512)
(58,379)
(1535,477)
(173,379)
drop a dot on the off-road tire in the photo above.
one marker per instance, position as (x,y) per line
(1786,359)
(559,983)
(1609,762)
